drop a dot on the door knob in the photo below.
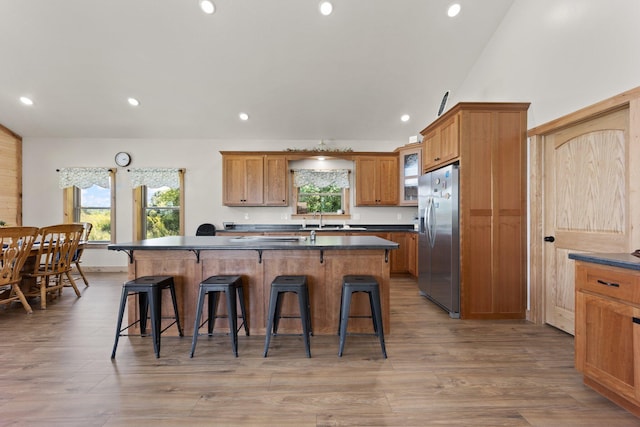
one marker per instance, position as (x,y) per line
(549,239)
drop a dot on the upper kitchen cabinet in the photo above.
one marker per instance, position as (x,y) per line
(377,180)
(254,180)
(441,143)
(410,158)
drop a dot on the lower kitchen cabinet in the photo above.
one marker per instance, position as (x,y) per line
(607,332)
(412,254)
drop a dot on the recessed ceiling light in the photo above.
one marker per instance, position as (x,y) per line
(326,8)
(26,101)
(207,6)
(133,102)
(454,9)
(243,116)
(405,117)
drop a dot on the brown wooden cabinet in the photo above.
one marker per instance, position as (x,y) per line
(607,331)
(412,254)
(489,142)
(254,180)
(377,180)
(400,256)
(441,144)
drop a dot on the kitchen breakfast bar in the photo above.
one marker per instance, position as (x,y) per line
(259,259)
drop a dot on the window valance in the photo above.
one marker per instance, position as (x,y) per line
(321,178)
(84,177)
(156,177)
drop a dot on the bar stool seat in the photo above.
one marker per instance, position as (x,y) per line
(279,286)
(212,287)
(149,290)
(360,283)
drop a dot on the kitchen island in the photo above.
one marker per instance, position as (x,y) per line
(259,259)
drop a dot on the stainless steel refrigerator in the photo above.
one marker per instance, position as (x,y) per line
(439,238)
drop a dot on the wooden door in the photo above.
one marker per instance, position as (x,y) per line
(586,204)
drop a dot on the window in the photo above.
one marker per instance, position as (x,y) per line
(93,205)
(311,198)
(158,202)
(325,191)
(161,212)
(89,196)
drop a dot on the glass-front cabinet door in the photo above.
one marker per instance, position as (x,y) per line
(410,167)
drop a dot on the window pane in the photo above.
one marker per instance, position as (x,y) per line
(101,221)
(162,212)
(95,197)
(95,207)
(314,199)
(411,164)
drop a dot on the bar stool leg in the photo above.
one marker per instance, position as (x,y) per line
(196,323)
(232,317)
(376,312)
(143,307)
(304,315)
(123,302)
(273,299)
(155,305)
(243,309)
(212,306)
(344,318)
(174,300)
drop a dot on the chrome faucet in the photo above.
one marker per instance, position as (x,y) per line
(314,217)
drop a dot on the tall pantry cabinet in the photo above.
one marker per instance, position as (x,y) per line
(489,142)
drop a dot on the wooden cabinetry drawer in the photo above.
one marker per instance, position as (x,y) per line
(618,283)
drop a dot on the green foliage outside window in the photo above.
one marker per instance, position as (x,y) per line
(163,212)
(325,199)
(101,221)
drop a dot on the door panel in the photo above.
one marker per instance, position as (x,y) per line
(586,204)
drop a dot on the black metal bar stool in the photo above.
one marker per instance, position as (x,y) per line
(361,283)
(280,285)
(149,290)
(230,285)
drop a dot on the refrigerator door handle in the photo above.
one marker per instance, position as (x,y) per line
(434,225)
(425,220)
(428,215)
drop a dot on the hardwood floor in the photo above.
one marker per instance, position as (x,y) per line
(56,371)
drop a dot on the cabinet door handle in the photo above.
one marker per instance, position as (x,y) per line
(614,285)
(636,320)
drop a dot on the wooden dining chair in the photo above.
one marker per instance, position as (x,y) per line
(15,248)
(77,257)
(56,246)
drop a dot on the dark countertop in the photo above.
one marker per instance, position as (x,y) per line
(621,260)
(256,243)
(327,227)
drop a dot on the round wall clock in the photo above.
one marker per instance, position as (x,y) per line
(123,159)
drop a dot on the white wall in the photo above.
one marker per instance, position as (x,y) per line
(42,198)
(560,55)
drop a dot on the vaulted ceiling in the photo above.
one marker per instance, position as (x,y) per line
(296,73)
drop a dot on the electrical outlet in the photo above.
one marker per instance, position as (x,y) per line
(356,216)
(399,216)
(246,215)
